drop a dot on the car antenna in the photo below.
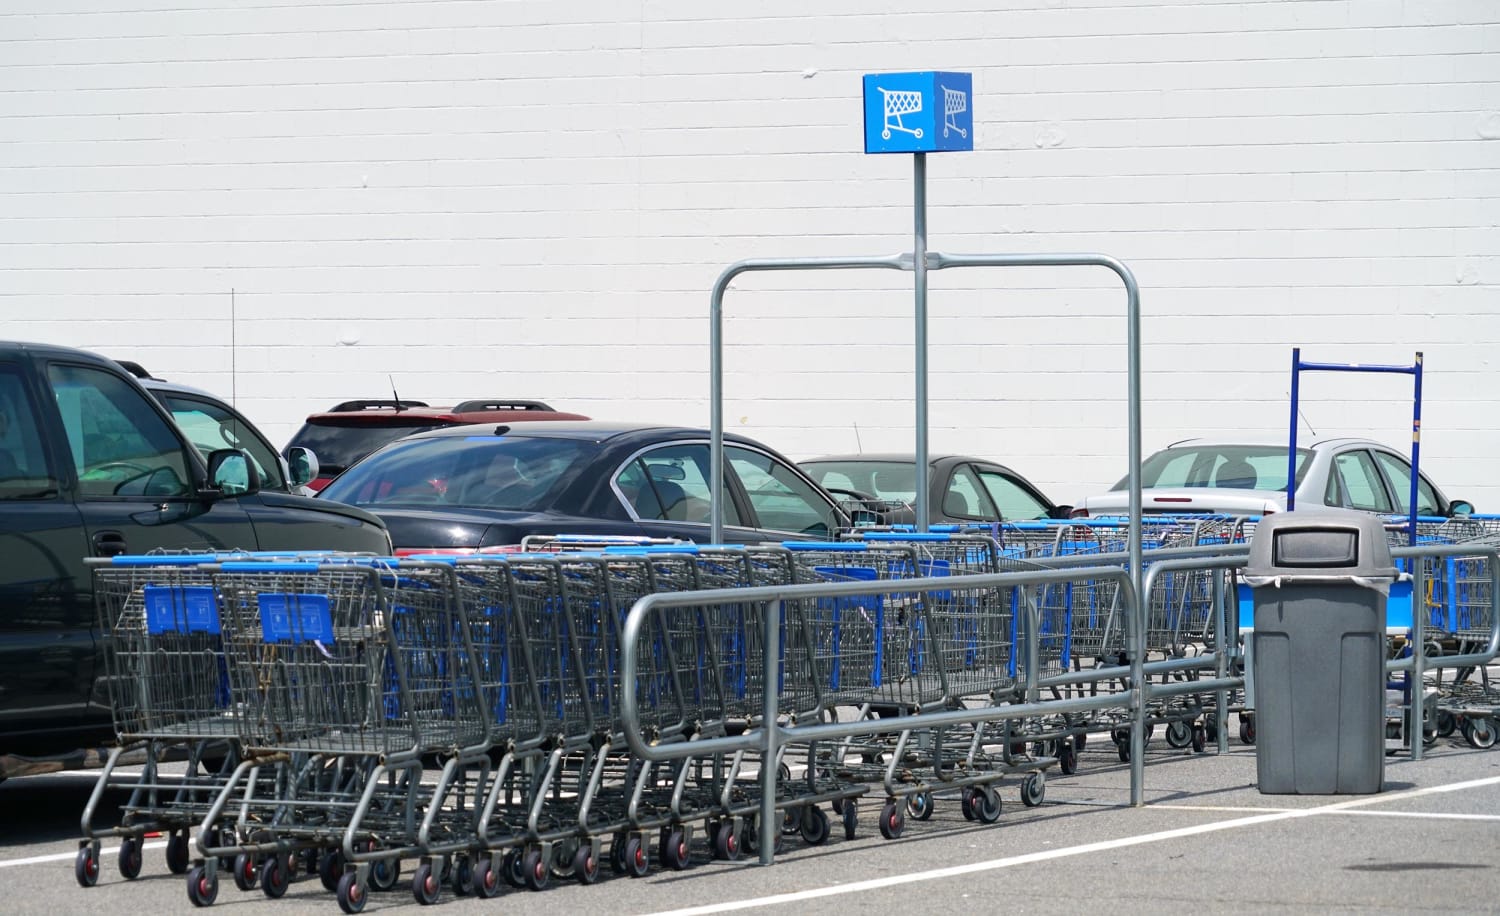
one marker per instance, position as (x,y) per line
(858,445)
(394,396)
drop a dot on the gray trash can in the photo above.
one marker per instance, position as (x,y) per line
(1318,580)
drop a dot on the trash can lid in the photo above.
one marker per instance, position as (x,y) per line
(1321,543)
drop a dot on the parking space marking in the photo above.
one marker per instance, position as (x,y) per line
(1084,849)
(1250,809)
(69,856)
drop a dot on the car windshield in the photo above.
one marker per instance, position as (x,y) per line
(340,443)
(214,426)
(482,472)
(893,480)
(1231,467)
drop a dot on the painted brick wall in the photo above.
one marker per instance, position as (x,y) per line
(297,201)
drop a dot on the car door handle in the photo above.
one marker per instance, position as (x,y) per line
(109,544)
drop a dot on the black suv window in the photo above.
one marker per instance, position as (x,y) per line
(338,444)
(24,473)
(211,426)
(120,445)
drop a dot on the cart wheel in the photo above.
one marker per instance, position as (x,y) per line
(246,874)
(1447,724)
(534,868)
(511,870)
(892,821)
(637,862)
(920,806)
(384,873)
(1120,736)
(585,865)
(917,133)
(987,804)
(177,853)
(486,880)
(885,134)
(202,886)
(275,876)
(783,773)
(1179,734)
(1124,751)
(814,826)
(1079,741)
(461,876)
(352,897)
(837,805)
(1247,729)
(1067,758)
(86,866)
(791,821)
(1211,727)
(726,844)
(617,853)
(130,858)
(1481,732)
(851,819)
(424,885)
(674,850)
(966,803)
(330,869)
(1200,739)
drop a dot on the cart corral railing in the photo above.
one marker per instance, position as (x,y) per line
(1144,621)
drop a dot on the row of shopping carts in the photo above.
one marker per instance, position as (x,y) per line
(344,715)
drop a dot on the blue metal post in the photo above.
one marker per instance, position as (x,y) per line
(1291,454)
(1416,451)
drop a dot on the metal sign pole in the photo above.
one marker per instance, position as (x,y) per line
(919,268)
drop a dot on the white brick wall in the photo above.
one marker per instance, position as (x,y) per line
(534,198)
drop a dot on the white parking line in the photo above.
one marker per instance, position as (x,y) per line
(69,856)
(1047,855)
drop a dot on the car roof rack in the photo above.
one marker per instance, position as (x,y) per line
(499,404)
(134,368)
(374,404)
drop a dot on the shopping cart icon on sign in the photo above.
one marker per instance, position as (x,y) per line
(898,102)
(955,102)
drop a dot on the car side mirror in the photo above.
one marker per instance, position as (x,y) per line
(302,466)
(1460,508)
(232,473)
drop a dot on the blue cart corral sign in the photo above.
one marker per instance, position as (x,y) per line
(927,112)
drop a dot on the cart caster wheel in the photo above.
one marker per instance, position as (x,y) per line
(1481,733)
(892,821)
(352,897)
(1124,751)
(461,877)
(585,865)
(966,803)
(534,868)
(1247,729)
(750,839)
(245,872)
(987,803)
(814,826)
(1179,735)
(1080,741)
(86,866)
(177,852)
(130,858)
(637,862)
(1447,724)
(275,876)
(783,773)
(486,879)
(202,886)
(385,874)
(791,821)
(1200,739)
(1120,736)
(851,819)
(424,885)
(673,851)
(1211,728)
(920,806)
(617,853)
(1067,758)
(511,870)
(726,844)
(331,869)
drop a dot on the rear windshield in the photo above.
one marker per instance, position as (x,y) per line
(1223,467)
(340,443)
(484,472)
(881,479)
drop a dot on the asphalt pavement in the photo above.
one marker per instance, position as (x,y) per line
(1206,840)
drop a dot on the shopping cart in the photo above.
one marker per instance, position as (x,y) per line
(896,104)
(955,102)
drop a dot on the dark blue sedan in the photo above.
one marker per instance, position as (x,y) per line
(473,487)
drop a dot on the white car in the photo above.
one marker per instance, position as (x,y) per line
(1235,477)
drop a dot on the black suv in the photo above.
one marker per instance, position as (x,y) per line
(92,465)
